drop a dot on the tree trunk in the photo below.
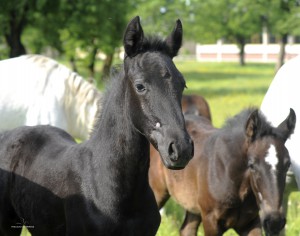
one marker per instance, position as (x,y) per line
(107,65)
(241,44)
(13,37)
(73,64)
(91,65)
(281,56)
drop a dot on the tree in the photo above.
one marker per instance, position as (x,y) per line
(206,21)
(234,20)
(89,25)
(94,26)
(14,19)
(16,15)
(282,17)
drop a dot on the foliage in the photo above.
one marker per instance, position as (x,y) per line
(159,16)
(93,27)
(90,26)
(17,15)
(95,24)
(227,18)
(204,20)
(80,29)
(282,16)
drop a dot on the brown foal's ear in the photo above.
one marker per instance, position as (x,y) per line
(252,125)
(288,125)
(133,37)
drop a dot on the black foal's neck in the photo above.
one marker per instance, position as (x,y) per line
(120,155)
(121,145)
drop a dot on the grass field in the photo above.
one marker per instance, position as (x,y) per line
(228,89)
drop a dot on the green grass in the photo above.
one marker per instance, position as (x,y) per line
(228,89)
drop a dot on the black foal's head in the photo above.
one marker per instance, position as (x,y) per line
(156,88)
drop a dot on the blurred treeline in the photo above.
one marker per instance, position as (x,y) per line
(83,28)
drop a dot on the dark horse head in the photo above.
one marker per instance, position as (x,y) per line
(156,95)
(268,162)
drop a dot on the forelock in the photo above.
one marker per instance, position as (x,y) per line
(154,44)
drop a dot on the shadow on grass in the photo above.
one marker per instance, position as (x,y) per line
(196,76)
(220,92)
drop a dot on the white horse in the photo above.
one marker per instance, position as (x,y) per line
(283,94)
(35,89)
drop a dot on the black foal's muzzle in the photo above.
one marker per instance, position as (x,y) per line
(175,149)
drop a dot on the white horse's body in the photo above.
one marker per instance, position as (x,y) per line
(283,94)
(36,90)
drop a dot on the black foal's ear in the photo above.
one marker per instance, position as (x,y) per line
(174,40)
(133,37)
(252,125)
(288,125)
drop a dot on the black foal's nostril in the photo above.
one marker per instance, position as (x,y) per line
(172,151)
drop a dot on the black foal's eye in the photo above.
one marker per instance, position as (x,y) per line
(140,88)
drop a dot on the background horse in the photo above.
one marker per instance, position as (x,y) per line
(195,104)
(100,187)
(236,171)
(37,90)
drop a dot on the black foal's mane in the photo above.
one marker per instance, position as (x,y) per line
(113,87)
(154,43)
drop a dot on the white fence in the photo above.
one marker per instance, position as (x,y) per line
(253,52)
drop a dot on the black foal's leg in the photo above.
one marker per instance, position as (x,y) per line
(11,233)
(10,228)
(190,224)
(10,223)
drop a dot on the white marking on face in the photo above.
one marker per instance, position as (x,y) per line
(271,157)
(260,196)
(157,125)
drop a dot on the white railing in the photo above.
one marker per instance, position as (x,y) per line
(253,52)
